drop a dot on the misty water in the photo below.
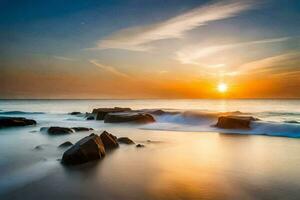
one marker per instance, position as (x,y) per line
(184,156)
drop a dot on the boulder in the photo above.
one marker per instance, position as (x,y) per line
(109,141)
(79,129)
(55,130)
(234,122)
(125,140)
(87,149)
(15,121)
(128,117)
(65,144)
(102,112)
(75,113)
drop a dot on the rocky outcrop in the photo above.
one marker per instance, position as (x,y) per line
(87,149)
(15,121)
(102,112)
(234,122)
(129,117)
(55,130)
(65,144)
(109,141)
(80,129)
(125,140)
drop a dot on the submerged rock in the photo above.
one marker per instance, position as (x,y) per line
(90,118)
(65,144)
(128,117)
(15,121)
(234,122)
(79,129)
(102,112)
(109,141)
(87,149)
(125,140)
(140,145)
(55,130)
(38,148)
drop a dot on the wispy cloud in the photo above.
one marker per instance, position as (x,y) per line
(275,65)
(138,38)
(63,58)
(191,54)
(109,69)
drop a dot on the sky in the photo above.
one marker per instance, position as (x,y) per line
(126,49)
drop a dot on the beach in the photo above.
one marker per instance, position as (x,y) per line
(184,156)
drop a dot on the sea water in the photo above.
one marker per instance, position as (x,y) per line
(186,158)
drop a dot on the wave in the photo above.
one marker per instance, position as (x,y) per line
(197,121)
(19,113)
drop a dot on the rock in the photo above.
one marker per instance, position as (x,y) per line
(109,141)
(75,113)
(79,129)
(234,122)
(38,148)
(140,145)
(102,112)
(87,149)
(15,121)
(90,118)
(125,140)
(128,117)
(65,144)
(55,130)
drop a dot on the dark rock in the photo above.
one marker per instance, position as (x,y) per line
(125,140)
(102,112)
(128,117)
(234,122)
(38,148)
(87,149)
(75,113)
(140,145)
(79,129)
(65,144)
(15,121)
(55,130)
(109,141)
(90,118)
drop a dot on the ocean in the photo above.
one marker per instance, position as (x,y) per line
(187,157)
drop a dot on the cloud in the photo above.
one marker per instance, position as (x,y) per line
(284,64)
(138,38)
(109,69)
(191,54)
(63,58)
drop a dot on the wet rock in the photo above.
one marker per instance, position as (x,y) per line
(90,118)
(102,112)
(234,122)
(55,130)
(128,117)
(109,141)
(75,113)
(15,121)
(65,144)
(125,140)
(87,149)
(140,145)
(80,129)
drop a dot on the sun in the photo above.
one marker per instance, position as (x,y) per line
(222,87)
